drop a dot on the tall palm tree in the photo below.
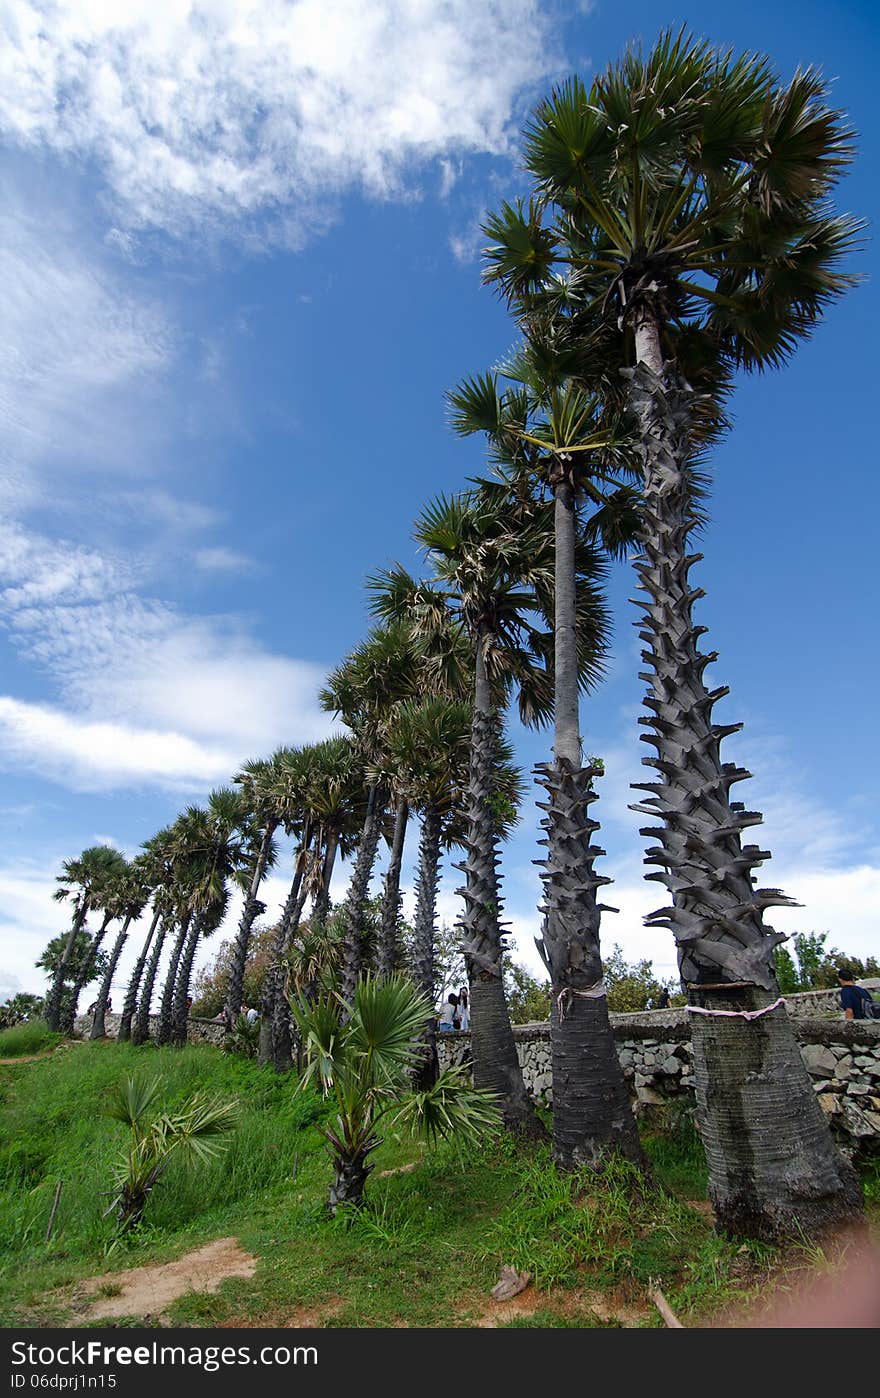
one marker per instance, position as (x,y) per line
(216,843)
(548,432)
(82,880)
(130,1002)
(266,795)
(159,853)
(329,783)
(363,691)
(484,569)
(127,902)
(689,191)
(430,747)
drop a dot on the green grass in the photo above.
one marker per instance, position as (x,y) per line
(33,1037)
(425,1251)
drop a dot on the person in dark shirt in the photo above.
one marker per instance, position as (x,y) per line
(854,999)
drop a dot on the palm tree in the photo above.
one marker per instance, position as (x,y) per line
(484,571)
(364,692)
(140,1032)
(690,192)
(192,1130)
(215,844)
(159,852)
(265,792)
(549,432)
(87,875)
(362,1055)
(127,902)
(331,792)
(129,1004)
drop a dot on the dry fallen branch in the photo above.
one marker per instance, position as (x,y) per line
(669,1317)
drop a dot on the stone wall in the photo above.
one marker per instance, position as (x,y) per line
(842,1058)
(199,1031)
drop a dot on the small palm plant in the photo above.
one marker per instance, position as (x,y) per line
(363,1055)
(191,1132)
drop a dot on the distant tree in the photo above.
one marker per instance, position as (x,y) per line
(528,997)
(20,1007)
(211,982)
(74,957)
(632,987)
(818,964)
(787,975)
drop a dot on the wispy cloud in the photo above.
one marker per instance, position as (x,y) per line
(150,694)
(210,113)
(223,560)
(75,338)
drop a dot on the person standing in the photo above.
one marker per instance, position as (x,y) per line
(447,1013)
(855,1001)
(463,1018)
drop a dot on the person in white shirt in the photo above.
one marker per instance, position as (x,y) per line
(463,1017)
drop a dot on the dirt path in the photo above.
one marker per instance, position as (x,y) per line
(146,1291)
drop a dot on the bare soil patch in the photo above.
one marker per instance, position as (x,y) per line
(146,1291)
(608,1307)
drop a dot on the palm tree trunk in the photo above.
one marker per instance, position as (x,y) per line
(98,1030)
(773,1167)
(282,1021)
(495,1062)
(423,939)
(250,912)
(166,1007)
(273,983)
(356,902)
(53,1002)
(349,1182)
(84,975)
(387,950)
(141,1030)
(131,994)
(591,1111)
(180,1009)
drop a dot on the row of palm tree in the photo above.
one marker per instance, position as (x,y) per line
(678,230)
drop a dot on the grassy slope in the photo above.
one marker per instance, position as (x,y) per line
(426,1252)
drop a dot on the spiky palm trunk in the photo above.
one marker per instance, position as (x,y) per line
(282,1022)
(356,901)
(427,879)
(495,1062)
(252,908)
(140,1032)
(591,1110)
(166,1006)
(349,1182)
(53,1001)
(84,975)
(273,979)
(180,1009)
(129,1006)
(98,1030)
(388,949)
(773,1167)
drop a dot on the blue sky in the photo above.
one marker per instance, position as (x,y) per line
(239,252)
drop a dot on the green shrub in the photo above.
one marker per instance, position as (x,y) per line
(31,1037)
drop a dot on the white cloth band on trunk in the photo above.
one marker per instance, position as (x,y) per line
(735,1014)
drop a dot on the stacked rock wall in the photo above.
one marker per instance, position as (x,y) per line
(842,1058)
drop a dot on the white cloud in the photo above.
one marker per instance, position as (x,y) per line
(228,110)
(96,756)
(75,340)
(151,694)
(223,560)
